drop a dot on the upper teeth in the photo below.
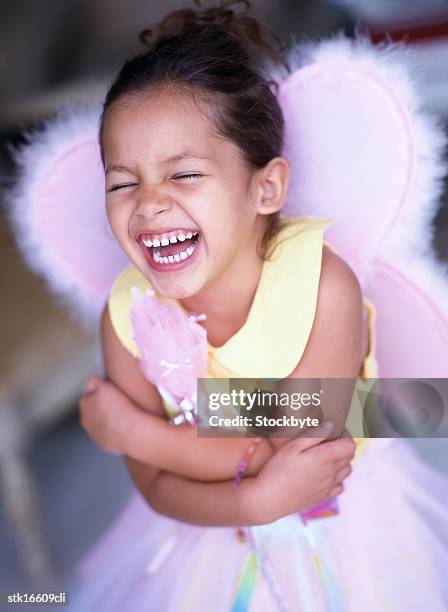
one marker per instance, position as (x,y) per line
(165,239)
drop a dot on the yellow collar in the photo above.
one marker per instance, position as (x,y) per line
(274,336)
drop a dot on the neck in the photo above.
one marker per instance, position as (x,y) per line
(228,299)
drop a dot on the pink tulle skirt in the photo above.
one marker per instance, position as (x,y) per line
(387,549)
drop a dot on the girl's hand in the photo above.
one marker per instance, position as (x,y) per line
(305,472)
(105,413)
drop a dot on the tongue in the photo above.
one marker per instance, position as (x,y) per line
(176,247)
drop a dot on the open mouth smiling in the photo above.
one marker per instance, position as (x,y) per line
(170,249)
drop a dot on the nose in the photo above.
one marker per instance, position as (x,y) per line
(152,202)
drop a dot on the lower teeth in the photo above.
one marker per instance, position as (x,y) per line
(173,258)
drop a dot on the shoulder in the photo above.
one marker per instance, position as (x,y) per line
(334,344)
(338,284)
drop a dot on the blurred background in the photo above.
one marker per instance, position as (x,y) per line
(58,491)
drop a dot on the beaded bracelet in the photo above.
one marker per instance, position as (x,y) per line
(241,531)
(245,460)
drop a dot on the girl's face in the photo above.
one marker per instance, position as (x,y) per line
(178,196)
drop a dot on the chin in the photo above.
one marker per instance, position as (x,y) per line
(177,290)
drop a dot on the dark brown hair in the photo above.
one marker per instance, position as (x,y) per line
(219,55)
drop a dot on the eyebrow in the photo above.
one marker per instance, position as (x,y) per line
(168,160)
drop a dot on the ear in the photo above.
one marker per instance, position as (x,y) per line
(272,186)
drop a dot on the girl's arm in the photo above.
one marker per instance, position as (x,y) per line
(145,435)
(279,489)
(336,347)
(179,450)
(300,475)
(291,480)
(199,503)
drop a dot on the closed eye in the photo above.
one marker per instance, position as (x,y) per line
(116,187)
(192,175)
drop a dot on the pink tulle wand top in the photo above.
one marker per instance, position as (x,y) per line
(173,348)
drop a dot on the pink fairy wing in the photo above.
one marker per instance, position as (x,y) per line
(57,209)
(361,149)
(412,323)
(364,153)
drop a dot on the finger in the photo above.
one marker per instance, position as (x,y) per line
(343,473)
(343,448)
(319,433)
(341,463)
(337,490)
(91,385)
(334,450)
(88,392)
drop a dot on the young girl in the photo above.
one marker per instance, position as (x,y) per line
(191,138)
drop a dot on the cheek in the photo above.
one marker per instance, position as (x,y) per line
(118,218)
(223,243)
(225,223)
(119,225)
